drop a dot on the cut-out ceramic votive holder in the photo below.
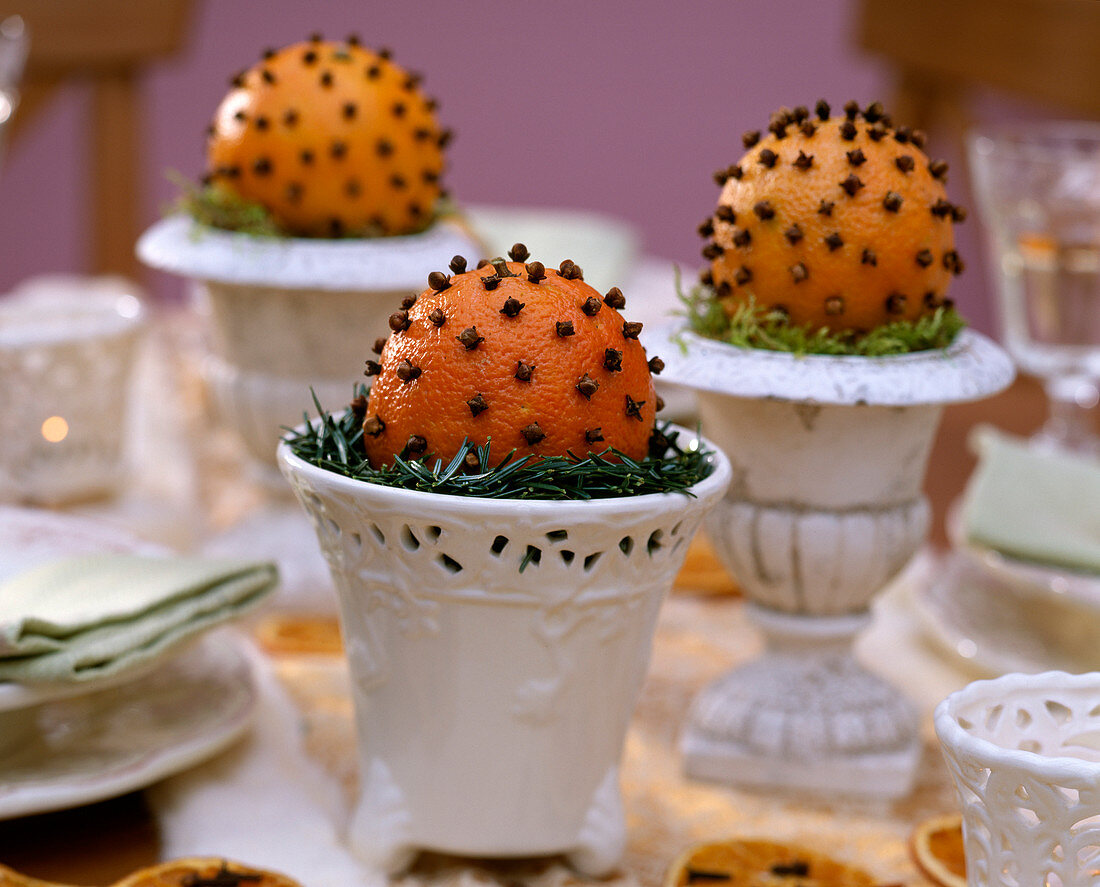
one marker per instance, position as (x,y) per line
(497,648)
(1024,751)
(67,348)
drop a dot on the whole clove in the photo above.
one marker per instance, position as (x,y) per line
(469,338)
(407,372)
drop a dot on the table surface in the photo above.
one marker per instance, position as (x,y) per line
(101,843)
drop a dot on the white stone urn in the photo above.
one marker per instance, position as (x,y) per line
(289,314)
(825,507)
(497,648)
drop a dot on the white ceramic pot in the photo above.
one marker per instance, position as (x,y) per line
(1024,751)
(497,648)
(67,348)
(290,314)
(825,507)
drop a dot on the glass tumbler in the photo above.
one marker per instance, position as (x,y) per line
(1038,191)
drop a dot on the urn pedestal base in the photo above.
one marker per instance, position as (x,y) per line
(804,717)
(825,508)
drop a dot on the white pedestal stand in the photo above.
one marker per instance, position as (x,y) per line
(828,457)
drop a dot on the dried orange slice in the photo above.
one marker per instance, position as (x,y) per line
(937,848)
(205,872)
(744,863)
(294,634)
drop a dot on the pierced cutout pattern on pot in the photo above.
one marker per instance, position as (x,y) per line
(451,540)
(531,557)
(1036,815)
(450,564)
(432,541)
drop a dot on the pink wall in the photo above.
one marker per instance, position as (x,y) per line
(622,107)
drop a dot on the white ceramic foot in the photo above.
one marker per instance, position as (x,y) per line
(381,830)
(805,716)
(602,838)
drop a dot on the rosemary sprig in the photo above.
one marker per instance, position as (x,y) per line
(334,442)
(751,326)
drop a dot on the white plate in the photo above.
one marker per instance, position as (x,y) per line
(976,616)
(31,537)
(1033,579)
(651,298)
(100,745)
(606,248)
(17,696)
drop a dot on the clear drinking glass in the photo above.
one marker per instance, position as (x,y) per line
(1038,191)
(13,55)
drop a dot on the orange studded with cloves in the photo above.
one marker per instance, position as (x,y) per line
(836,221)
(333,139)
(530,357)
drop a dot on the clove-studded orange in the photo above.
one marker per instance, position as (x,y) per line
(837,221)
(530,357)
(333,139)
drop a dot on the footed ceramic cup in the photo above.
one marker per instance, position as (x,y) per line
(1024,751)
(825,508)
(497,648)
(280,311)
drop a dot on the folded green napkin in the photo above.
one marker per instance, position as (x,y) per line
(1034,505)
(87,617)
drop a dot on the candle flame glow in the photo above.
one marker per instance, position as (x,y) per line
(55,429)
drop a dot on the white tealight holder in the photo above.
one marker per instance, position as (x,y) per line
(288,315)
(1024,751)
(497,648)
(67,346)
(825,507)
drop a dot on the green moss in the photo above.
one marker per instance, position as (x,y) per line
(753,327)
(218,207)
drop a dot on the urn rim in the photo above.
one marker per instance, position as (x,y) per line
(970,368)
(180,245)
